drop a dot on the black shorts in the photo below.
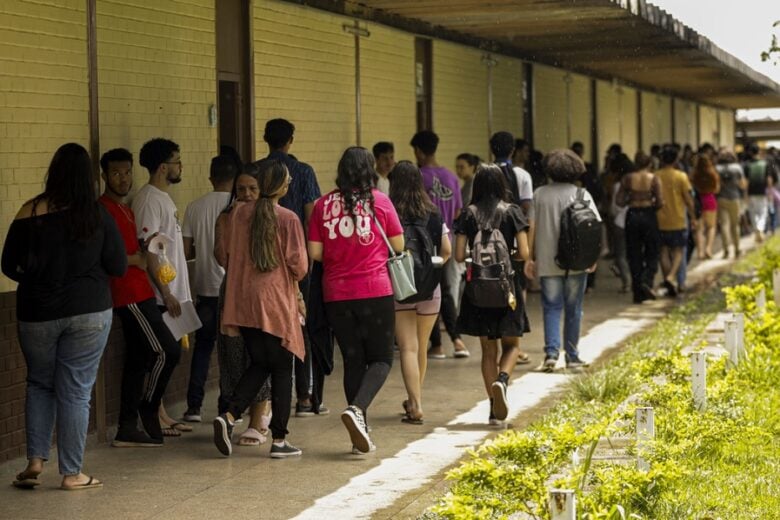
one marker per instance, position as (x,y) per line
(676,238)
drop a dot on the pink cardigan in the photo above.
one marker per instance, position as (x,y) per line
(266,301)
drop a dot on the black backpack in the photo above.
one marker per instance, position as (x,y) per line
(489,273)
(420,245)
(579,243)
(511,180)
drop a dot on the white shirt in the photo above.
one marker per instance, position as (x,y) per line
(155,212)
(383,185)
(525,185)
(199,221)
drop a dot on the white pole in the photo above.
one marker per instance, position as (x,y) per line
(562,504)
(699,379)
(761,300)
(645,431)
(776,285)
(740,319)
(731,331)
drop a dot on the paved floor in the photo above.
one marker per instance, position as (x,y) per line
(189,479)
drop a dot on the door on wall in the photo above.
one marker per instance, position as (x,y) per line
(234,80)
(423,69)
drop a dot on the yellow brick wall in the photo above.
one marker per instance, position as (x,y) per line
(581,113)
(656,120)
(708,124)
(387,89)
(616,117)
(727,128)
(156,71)
(550,109)
(460,106)
(508,95)
(305,72)
(685,122)
(43,96)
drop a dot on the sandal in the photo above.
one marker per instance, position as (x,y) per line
(251,437)
(409,419)
(26,481)
(175,425)
(169,431)
(523,359)
(92,483)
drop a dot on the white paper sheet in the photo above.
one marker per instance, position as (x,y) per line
(187,321)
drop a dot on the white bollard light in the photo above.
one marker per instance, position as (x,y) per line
(699,380)
(562,504)
(645,431)
(776,285)
(741,347)
(761,300)
(731,331)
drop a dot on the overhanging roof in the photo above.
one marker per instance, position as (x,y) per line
(629,40)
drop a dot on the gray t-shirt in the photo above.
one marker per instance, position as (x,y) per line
(730,176)
(549,202)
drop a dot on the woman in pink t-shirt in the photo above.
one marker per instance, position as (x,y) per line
(358,293)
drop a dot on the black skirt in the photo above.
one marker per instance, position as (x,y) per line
(495,323)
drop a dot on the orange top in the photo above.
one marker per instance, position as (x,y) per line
(266,301)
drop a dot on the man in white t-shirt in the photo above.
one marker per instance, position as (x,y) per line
(155,213)
(502,145)
(384,155)
(198,231)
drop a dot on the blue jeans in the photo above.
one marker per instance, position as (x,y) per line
(205,339)
(561,294)
(62,359)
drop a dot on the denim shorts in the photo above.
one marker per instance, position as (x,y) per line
(676,238)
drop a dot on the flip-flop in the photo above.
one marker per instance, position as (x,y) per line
(179,426)
(523,359)
(169,431)
(408,419)
(251,437)
(23,482)
(92,483)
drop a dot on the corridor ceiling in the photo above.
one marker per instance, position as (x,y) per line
(630,41)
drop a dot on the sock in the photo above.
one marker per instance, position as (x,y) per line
(279,444)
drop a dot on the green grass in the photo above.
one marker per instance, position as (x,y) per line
(723,463)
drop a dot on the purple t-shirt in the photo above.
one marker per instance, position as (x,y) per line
(443,188)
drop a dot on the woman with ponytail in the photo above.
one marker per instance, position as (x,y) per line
(265,256)
(345,234)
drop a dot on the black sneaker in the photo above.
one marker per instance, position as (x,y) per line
(150,419)
(284,451)
(223,431)
(355,423)
(549,363)
(575,362)
(307,410)
(135,439)
(500,404)
(192,415)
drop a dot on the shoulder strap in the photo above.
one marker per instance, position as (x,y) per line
(384,236)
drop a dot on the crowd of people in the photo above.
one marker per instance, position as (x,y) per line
(283,273)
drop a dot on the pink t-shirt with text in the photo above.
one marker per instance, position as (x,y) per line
(354,258)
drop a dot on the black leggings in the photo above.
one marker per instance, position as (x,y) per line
(642,247)
(269,358)
(364,330)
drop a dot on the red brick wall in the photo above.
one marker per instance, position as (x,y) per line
(13,372)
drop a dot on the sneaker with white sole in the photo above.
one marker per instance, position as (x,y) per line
(192,415)
(355,423)
(371,449)
(284,451)
(223,431)
(575,362)
(549,363)
(500,404)
(303,410)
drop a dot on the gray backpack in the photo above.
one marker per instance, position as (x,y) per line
(489,272)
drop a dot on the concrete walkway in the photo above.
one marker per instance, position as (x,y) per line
(189,479)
